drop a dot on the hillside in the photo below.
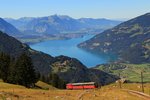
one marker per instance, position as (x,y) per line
(61,24)
(129,40)
(131,72)
(8,28)
(69,69)
(72,70)
(109,92)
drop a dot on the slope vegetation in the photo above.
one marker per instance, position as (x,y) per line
(131,72)
(129,40)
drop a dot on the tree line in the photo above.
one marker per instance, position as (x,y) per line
(21,71)
(54,80)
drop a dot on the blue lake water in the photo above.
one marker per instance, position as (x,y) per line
(69,48)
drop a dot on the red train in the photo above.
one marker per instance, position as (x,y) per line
(87,85)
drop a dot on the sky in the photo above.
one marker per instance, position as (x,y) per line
(112,9)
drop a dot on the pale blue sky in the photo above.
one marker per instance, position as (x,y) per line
(112,9)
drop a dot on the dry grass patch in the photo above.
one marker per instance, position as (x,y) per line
(45,86)
(109,92)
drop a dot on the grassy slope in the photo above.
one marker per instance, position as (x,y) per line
(131,72)
(45,86)
(8,86)
(110,92)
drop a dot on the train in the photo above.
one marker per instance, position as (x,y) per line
(85,85)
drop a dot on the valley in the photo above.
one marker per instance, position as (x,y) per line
(69,48)
(67,68)
(74,50)
(33,39)
(130,72)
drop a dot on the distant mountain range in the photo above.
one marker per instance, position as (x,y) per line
(8,28)
(69,69)
(60,24)
(19,23)
(129,40)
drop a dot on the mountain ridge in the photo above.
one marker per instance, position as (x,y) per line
(60,23)
(130,36)
(8,28)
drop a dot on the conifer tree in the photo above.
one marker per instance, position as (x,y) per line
(25,73)
(4,66)
(56,81)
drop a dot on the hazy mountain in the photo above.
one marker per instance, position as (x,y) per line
(98,23)
(19,23)
(53,24)
(61,24)
(129,40)
(8,28)
(69,69)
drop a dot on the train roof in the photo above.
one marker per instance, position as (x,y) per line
(86,83)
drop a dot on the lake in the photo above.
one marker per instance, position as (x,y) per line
(69,48)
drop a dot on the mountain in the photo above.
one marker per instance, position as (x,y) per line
(77,72)
(53,24)
(13,47)
(61,24)
(129,40)
(19,23)
(99,23)
(69,69)
(8,28)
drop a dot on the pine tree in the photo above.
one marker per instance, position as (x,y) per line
(4,66)
(25,73)
(61,84)
(42,78)
(56,81)
(12,72)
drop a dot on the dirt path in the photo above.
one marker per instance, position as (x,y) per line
(81,94)
(139,94)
